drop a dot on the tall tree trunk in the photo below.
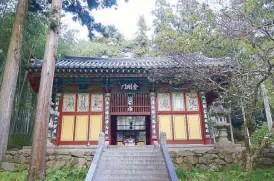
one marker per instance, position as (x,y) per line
(249,162)
(11,73)
(249,158)
(38,152)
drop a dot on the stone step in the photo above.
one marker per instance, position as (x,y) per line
(129,147)
(131,150)
(138,149)
(133,171)
(104,177)
(131,163)
(132,153)
(114,158)
(130,179)
(124,161)
(131,166)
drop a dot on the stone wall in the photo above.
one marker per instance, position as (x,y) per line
(205,159)
(19,160)
(208,160)
(216,159)
(266,158)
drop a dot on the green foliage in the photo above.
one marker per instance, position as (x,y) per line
(227,174)
(54,20)
(112,46)
(96,49)
(259,134)
(194,174)
(190,27)
(66,174)
(19,140)
(13,176)
(63,174)
(142,43)
(33,44)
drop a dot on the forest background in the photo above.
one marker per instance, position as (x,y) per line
(242,30)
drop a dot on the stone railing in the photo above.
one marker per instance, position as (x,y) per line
(167,158)
(96,158)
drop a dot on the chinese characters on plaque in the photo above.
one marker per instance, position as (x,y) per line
(130,86)
(97,102)
(69,103)
(83,100)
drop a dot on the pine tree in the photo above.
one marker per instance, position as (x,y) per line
(11,74)
(142,41)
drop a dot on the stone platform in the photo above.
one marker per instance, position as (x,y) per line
(56,157)
(185,156)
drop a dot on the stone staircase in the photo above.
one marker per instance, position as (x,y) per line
(131,163)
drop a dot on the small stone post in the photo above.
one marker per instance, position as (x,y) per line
(101,139)
(163,138)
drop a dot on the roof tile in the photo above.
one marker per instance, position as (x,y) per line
(74,62)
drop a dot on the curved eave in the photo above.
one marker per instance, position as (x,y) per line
(91,71)
(34,82)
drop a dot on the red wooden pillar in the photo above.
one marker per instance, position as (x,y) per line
(153,117)
(107,123)
(205,119)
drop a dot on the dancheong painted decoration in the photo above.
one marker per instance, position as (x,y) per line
(120,98)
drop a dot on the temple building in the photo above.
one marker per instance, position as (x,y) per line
(122,98)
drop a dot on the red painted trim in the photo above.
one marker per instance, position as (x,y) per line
(185,142)
(54,141)
(150,125)
(207,140)
(33,83)
(185,113)
(89,113)
(201,118)
(171,106)
(60,120)
(130,113)
(75,118)
(88,129)
(157,118)
(178,112)
(78,142)
(75,114)
(82,113)
(187,133)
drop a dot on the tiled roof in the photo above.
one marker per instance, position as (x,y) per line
(76,62)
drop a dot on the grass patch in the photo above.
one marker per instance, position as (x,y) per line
(62,174)
(228,174)
(19,140)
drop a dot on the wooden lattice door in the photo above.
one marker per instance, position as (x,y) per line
(130,104)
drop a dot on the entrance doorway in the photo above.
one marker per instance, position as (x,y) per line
(130,130)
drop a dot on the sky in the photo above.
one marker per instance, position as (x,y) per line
(124,17)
